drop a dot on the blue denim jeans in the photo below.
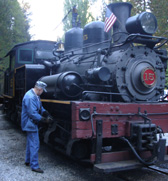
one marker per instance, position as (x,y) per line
(32,148)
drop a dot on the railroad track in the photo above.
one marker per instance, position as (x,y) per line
(159,169)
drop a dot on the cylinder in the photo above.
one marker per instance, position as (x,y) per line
(66,84)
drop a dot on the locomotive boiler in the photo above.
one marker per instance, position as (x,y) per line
(105,92)
(130,73)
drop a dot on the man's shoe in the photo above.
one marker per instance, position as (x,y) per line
(38,170)
(27,164)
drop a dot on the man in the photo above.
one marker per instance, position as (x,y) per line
(32,113)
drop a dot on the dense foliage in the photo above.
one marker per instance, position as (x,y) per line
(14,26)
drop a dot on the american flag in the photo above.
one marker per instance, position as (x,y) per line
(109,20)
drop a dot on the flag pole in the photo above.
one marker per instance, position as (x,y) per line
(62,20)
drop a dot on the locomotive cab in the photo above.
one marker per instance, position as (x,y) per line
(26,66)
(29,53)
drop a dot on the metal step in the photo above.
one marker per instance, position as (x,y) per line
(117,166)
(128,165)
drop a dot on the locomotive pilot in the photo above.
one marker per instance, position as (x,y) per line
(32,113)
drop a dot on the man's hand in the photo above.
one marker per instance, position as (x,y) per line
(43,119)
(49,119)
(45,114)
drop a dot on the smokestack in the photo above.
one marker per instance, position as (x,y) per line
(122,11)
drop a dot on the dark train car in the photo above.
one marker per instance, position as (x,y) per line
(26,54)
(104,92)
(26,66)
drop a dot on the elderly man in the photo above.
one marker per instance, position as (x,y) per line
(32,113)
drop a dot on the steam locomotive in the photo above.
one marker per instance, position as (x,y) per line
(105,92)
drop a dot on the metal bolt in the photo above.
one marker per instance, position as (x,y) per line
(111,108)
(117,108)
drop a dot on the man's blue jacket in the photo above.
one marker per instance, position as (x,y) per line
(32,111)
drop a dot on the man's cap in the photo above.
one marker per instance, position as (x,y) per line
(40,84)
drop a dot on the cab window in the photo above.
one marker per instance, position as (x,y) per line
(25,56)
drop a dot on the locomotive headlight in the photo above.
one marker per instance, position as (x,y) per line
(84,114)
(144,23)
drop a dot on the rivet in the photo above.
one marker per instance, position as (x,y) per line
(111,108)
(117,108)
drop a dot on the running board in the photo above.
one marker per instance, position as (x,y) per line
(128,165)
(117,166)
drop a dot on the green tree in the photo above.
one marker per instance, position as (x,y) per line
(160,11)
(14,26)
(139,6)
(82,9)
(20,25)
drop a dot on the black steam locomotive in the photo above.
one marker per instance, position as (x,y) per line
(104,91)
